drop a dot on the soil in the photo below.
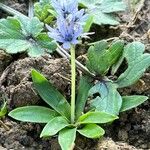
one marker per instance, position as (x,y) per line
(17,84)
(130,132)
(20,5)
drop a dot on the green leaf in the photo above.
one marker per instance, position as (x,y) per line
(66,138)
(50,94)
(10,27)
(11,38)
(30,26)
(102,10)
(109,100)
(54,126)
(100,18)
(92,131)
(84,87)
(45,42)
(43,10)
(35,51)
(13,46)
(109,6)
(21,34)
(100,59)
(37,114)
(88,3)
(96,117)
(116,66)
(88,24)
(130,102)
(137,64)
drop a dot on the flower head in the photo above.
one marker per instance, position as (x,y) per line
(69,25)
(65,33)
(65,7)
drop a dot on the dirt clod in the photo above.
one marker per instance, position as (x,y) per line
(5,59)
(109,144)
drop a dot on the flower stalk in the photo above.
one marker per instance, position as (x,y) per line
(31,9)
(73,83)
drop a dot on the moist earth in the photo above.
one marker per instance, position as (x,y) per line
(130,132)
(16,80)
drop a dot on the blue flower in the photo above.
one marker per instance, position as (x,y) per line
(68,9)
(65,7)
(69,25)
(65,33)
(78,17)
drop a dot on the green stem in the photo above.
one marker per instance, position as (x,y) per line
(31,9)
(73,83)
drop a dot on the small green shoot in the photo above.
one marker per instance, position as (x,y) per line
(44,11)
(3,109)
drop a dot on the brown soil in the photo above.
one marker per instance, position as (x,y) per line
(20,5)
(133,127)
(16,79)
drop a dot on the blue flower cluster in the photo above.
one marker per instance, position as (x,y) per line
(69,25)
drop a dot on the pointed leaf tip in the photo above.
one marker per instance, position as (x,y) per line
(37,114)
(92,131)
(96,117)
(50,94)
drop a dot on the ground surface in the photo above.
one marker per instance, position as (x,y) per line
(133,127)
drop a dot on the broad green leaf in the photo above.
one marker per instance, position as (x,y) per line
(10,27)
(96,117)
(13,46)
(137,64)
(21,34)
(109,6)
(30,26)
(46,42)
(103,18)
(37,114)
(100,45)
(11,37)
(109,101)
(130,102)
(66,138)
(35,51)
(50,94)
(84,87)
(94,54)
(102,10)
(54,126)
(92,131)
(100,59)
